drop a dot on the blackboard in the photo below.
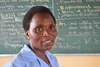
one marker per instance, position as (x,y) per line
(78,25)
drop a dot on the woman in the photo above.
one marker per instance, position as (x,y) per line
(40,28)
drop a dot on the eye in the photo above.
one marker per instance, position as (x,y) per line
(39,29)
(53,28)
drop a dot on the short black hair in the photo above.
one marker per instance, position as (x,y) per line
(36,9)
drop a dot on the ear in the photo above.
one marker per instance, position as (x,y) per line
(27,34)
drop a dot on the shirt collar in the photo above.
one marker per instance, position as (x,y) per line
(28,54)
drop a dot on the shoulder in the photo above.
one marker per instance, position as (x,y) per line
(16,61)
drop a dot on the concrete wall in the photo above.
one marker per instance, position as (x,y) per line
(69,60)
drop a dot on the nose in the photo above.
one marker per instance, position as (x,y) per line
(46,33)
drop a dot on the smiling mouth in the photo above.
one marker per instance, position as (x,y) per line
(47,41)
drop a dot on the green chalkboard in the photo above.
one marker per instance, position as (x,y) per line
(78,25)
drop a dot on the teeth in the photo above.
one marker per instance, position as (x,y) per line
(48,41)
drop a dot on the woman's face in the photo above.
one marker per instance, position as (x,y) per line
(42,32)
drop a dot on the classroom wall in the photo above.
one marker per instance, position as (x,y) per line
(69,60)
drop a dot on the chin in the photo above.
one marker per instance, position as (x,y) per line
(49,48)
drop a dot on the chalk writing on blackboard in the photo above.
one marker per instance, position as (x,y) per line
(78,25)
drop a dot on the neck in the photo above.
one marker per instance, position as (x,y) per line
(41,54)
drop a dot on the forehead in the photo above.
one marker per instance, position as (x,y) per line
(42,16)
(42,19)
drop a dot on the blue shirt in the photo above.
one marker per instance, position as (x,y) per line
(27,58)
